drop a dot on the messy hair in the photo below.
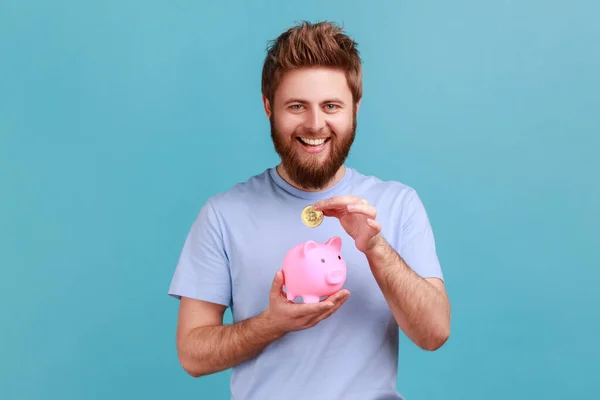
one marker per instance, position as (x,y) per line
(321,44)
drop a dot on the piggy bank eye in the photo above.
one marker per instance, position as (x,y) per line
(339,257)
(322,260)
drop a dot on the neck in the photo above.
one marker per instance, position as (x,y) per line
(334,181)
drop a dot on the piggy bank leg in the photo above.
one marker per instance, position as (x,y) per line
(290,297)
(308,299)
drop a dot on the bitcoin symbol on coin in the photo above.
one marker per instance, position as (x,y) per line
(311,218)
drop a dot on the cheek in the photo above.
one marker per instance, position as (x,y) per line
(287,124)
(340,123)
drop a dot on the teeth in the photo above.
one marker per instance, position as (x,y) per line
(313,142)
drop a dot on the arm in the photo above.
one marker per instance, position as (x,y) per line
(420,306)
(202,282)
(415,294)
(206,346)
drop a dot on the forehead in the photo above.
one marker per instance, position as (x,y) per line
(313,85)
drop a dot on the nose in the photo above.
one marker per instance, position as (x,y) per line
(316,120)
(335,276)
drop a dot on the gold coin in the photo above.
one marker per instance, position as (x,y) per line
(311,218)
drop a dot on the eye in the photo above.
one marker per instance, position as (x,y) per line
(322,260)
(339,257)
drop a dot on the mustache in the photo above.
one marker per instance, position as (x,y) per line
(311,134)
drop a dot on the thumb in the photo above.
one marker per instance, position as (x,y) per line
(277,282)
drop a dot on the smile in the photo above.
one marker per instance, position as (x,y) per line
(313,146)
(313,142)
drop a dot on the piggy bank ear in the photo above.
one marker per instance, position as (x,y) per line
(308,246)
(335,242)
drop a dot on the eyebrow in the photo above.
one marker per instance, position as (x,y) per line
(298,100)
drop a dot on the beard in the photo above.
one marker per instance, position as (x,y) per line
(311,173)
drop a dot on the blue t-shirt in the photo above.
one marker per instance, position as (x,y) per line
(239,240)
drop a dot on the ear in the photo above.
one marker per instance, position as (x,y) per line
(335,242)
(308,246)
(358,105)
(267,106)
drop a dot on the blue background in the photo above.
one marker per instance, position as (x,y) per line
(118,119)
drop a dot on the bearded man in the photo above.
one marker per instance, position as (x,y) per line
(344,346)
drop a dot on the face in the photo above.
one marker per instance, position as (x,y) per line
(313,124)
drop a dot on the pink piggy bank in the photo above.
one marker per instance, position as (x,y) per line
(312,270)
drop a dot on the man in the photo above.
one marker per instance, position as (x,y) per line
(345,346)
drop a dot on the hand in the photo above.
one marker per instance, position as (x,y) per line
(357,218)
(286,316)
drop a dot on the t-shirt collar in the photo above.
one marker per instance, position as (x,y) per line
(336,190)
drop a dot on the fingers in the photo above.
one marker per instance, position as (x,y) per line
(334,298)
(335,213)
(331,310)
(307,310)
(376,226)
(341,205)
(306,315)
(316,309)
(338,202)
(365,209)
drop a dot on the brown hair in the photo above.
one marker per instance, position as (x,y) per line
(311,45)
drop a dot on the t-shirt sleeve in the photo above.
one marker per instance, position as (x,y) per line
(202,271)
(417,246)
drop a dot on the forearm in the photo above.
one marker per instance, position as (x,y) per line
(210,349)
(420,309)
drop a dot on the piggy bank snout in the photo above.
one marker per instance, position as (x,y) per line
(335,276)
